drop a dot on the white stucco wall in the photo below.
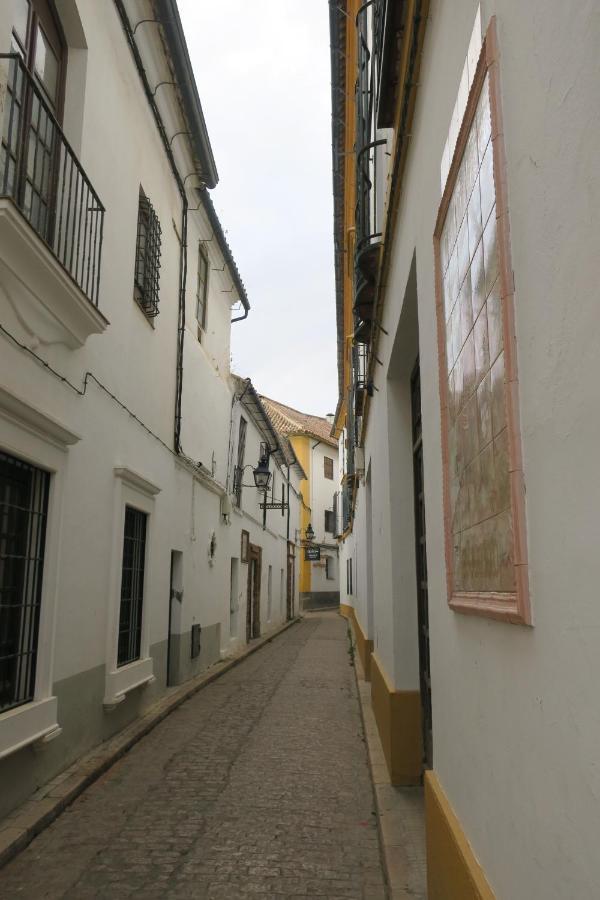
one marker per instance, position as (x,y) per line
(107,118)
(514,725)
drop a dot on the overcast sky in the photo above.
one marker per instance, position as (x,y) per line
(262,68)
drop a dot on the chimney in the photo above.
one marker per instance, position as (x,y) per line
(330,418)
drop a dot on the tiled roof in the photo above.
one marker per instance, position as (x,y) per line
(246,392)
(289,421)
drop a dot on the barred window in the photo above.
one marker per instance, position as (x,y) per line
(23,514)
(328,467)
(202,291)
(132,586)
(239,469)
(329,521)
(147,258)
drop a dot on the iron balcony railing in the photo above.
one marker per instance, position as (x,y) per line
(361,365)
(368,162)
(40,172)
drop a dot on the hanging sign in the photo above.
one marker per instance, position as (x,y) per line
(312,553)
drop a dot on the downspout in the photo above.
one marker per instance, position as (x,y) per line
(288,504)
(183,243)
(240,318)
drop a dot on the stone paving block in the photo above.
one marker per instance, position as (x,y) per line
(257,786)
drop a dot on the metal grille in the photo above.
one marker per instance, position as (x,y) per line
(147,258)
(23,512)
(132,586)
(41,173)
(238,472)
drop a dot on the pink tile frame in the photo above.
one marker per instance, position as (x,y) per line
(514,606)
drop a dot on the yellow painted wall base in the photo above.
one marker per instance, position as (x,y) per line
(365,648)
(398,717)
(453,872)
(347,611)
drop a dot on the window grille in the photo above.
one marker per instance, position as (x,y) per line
(23,514)
(239,469)
(132,586)
(201,293)
(147,258)
(328,467)
(329,521)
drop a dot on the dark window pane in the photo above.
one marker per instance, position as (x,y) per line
(23,511)
(132,586)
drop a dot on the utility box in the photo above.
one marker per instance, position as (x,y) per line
(196,630)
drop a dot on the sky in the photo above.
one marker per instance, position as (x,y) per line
(263,74)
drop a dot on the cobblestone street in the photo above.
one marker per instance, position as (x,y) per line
(258,785)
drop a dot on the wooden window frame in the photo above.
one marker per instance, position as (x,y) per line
(244,546)
(202,255)
(326,460)
(514,606)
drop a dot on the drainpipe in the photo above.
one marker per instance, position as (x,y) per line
(288,508)
(184,210)
(240,318)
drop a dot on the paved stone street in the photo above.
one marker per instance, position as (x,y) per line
(258,785)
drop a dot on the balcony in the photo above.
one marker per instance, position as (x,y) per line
(51,219)
(368,175)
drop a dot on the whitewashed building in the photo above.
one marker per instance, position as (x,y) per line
(313,445)
(466,138)
(118,544)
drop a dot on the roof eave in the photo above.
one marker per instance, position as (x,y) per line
(168,15)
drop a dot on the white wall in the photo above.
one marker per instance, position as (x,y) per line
(321,498)
(515,729)
(135,360)
(273,539)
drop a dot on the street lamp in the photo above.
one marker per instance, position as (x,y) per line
(262,475)
(309,533)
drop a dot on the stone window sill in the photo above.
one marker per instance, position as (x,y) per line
(27,724)
(121,681)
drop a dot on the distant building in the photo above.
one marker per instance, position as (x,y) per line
(317,452)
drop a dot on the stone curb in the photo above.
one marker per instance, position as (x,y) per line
(20,827)
(391,836)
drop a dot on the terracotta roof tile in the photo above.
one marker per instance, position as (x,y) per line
(289,421)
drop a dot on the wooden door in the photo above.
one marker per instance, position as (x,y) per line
(253,596)
(291,578)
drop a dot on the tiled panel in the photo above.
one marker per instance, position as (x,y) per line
(468,74)
(480,514)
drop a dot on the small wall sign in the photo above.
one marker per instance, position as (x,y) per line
(312,553)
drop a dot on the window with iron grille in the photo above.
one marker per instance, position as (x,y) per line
(239,469)
(147,258)
(329,521)
(349,576)
(202,290)
(23,514)
(132,586)
(328,467)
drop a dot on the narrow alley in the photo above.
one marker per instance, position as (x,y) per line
(258,785)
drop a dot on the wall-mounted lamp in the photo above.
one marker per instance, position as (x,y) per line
(262,474)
